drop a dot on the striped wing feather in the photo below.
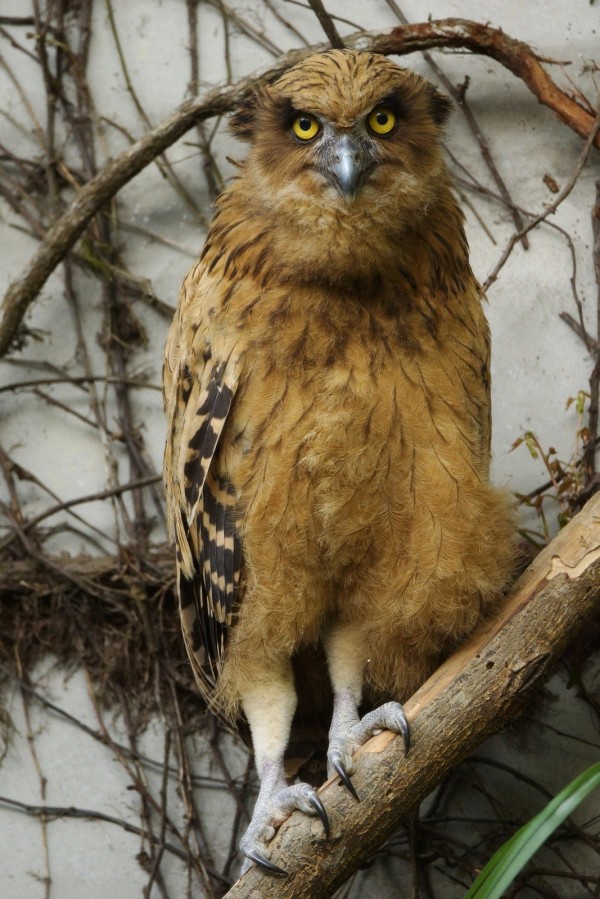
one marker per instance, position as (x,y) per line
(201,508)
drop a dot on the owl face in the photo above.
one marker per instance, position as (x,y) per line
(344,155)
(345,126)
(345,160)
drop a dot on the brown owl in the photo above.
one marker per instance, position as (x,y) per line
(328,399)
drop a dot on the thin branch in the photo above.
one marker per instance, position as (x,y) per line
(211,783)
(459,96)
(47,879)
(327,25)
(163,818)
(151,480)
(59,811)
(581,331)
(589,453)
(549,210)
(473,184)
(162,162)
(78,379)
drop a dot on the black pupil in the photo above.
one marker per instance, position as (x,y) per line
(305,124)
(382,118)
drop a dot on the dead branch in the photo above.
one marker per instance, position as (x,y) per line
(459,95)
(589,455)
(516,56)
(473,695)
(327,24)
(552,207)
(55,811)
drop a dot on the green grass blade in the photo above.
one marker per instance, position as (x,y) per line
(510,858)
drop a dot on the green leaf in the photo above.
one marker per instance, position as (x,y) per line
(510,858)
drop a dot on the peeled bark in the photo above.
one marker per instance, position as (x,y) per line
(473,695)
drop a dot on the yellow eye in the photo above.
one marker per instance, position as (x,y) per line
(381,120)
(305,126)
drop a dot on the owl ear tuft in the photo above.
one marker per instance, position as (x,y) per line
(243,122)
(440,106)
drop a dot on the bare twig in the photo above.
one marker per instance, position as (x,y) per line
(589,453)
(459,95)
(549,210)
(327,24)
(580,330)
(58,811)
(214,179)
(163,163)
(47,880)
(210,783)
(163,817)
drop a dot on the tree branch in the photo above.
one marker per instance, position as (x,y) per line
(471,696)
(589,454)
(451,33)
(327,25)
(552,207)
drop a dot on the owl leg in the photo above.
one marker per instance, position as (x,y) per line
(269,708)
(346,658)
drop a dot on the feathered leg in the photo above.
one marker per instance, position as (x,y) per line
(269,708)
(345,658)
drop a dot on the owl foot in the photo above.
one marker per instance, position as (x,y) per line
(276,801)
(348,733)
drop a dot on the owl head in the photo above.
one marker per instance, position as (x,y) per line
(345,166)
(346,124)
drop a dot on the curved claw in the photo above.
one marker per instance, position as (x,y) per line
(336,762)
(389,716)
(405,729)
(320,810)
(264,863)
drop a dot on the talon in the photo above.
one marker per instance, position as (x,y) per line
(390,716)
(264,863)
(405,730)
(320,810)
(336,762)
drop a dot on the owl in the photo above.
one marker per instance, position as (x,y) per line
(327,390)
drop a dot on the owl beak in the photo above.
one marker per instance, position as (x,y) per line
(347,168)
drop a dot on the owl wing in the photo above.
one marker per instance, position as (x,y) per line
(199,391)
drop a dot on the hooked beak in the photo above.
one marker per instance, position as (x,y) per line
(347,167)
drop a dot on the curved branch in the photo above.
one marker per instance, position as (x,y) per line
(516,56)
(470,697)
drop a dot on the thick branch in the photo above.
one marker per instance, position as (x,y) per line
(514,55)
(473,695)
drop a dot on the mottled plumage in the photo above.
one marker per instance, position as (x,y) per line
(328,401)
